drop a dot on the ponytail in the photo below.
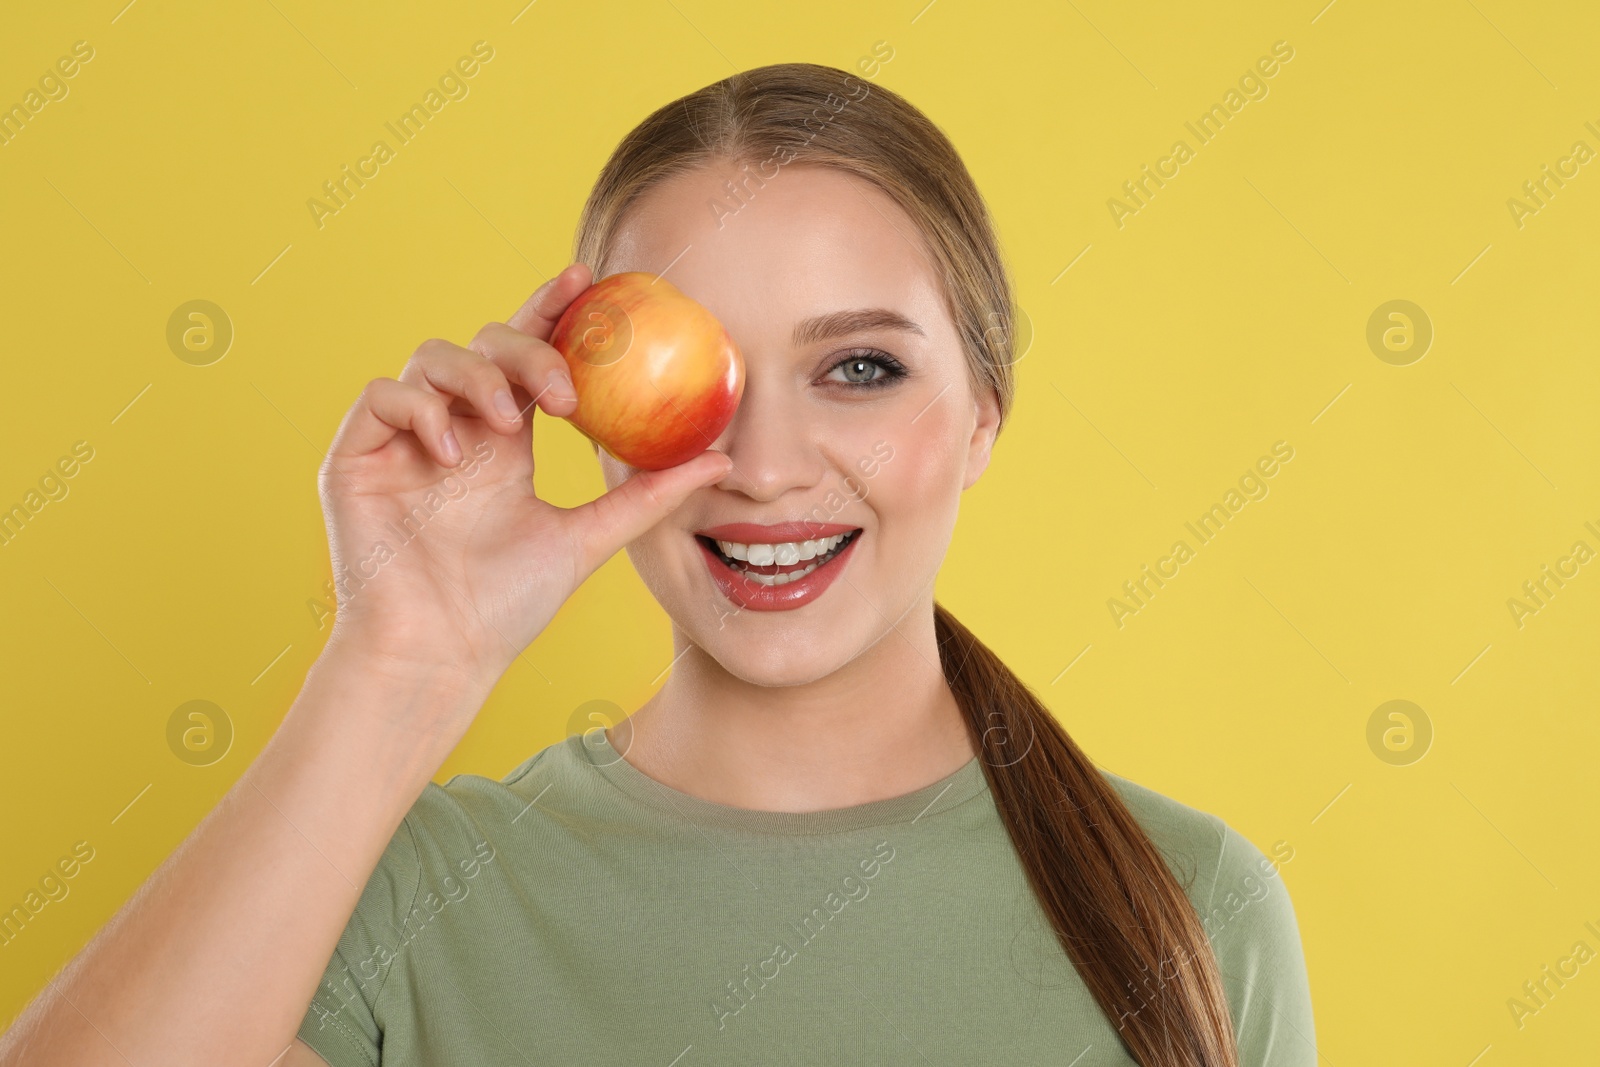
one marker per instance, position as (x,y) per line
(1115,906)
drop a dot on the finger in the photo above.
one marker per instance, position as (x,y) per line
(530,363)
(538,314)
(384,409)
(454,371)
(606,524)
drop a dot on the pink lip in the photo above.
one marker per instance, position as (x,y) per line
(790,595)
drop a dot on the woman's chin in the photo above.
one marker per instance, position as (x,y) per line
(793,662)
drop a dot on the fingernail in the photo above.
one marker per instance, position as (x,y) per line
(506,406)
(452,447)
(560,385)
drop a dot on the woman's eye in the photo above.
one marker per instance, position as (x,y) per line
(869,369)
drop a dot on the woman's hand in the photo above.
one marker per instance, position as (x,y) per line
(443,554)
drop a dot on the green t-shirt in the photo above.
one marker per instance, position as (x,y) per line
(580,912)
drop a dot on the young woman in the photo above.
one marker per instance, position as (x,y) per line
(842,831)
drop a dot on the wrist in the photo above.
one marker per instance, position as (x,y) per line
(364,737)
(406,696)
(407,660)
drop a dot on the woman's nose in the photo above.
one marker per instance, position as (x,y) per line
(772,444)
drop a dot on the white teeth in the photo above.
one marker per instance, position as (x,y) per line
(785,553)
(779,579)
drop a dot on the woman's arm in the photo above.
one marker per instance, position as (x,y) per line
(216,956)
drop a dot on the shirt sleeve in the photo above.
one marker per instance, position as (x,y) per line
(342,1022)
(1251,923)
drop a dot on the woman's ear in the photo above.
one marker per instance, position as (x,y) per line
(986,423)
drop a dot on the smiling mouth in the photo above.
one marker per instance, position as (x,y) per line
(775,573)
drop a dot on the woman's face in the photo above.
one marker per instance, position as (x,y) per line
(857,415)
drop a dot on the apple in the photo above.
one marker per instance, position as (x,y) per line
(657,376)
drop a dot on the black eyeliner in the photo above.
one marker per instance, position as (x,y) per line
(894,368)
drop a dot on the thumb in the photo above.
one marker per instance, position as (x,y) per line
(539,313)
(607,523)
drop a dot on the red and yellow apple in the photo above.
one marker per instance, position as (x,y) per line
(657,376)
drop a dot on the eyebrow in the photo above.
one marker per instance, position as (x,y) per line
(857,320)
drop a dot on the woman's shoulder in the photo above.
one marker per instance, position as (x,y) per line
(451,833)
(1209,856)
(470,808)
(1192,841)
(1244,906)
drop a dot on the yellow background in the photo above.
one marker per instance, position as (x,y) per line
(1229,313)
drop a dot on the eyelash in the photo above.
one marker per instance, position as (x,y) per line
(896,370)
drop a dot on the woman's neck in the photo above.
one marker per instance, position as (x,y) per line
(882,725)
